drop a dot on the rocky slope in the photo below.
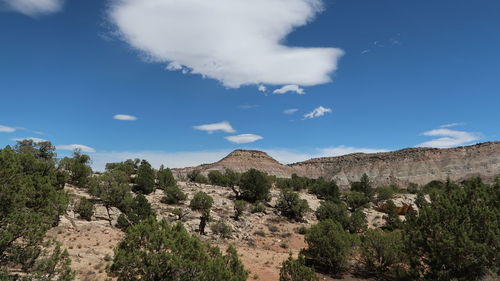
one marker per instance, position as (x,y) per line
(412,165)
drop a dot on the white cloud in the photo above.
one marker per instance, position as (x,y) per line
(72,147)
(451,125)
(34,7)
(448,138)
(244,138)
(248,106)
(214,127)
(290,111)
(36,140)
(262,88)
(317,112)
(237,42)
(290,88)
(6,129)
(124,117)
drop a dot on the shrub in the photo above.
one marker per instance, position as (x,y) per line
(296,270)
(222,229)
(254,186)
(357,222)
(392,220)
(113,189)
(329,246)
(456,234)
(137,211)
(179,213)
(356,200)
(385,192)
(202,202)
(327,190)
(183,257)
(165,178)
(85,208)
(192,175)
(217,178)
(78,167)
(145,180)
(239,208)
(173,195)
(382,252)
(258,207)
(333,211)
(363,186)
(291,206)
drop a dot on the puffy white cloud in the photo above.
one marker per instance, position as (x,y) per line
(237,42)
(6,129)
(244,138)
(290,88)
(317,112)
(290,111)
(34,7)
(124,117)
(36,140)
(262,88)
(448,138)
(72,147)
(223,126)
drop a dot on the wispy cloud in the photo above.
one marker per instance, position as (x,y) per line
(195,34)
(7,129)
(34,7)
(72,147)
(318,112)
(452,125)
(248,106)
(124,117)
(448,138)
(36,140)
(290,111)
(289,88)
(244,138)
(223,126)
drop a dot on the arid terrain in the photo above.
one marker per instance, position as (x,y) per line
(263,240)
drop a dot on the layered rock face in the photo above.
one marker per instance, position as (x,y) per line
(412,165)
(241,161)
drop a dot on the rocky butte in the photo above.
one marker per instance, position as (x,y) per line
(401,167)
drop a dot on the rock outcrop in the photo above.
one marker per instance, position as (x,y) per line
(402,167)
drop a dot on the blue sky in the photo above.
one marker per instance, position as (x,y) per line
(339,76)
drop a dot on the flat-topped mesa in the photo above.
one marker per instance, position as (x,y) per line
(240,161)
(412,165)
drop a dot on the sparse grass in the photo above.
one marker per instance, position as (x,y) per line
(284,245)
(260,233)
(273,228)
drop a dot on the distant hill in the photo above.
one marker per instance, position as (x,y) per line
(412,165)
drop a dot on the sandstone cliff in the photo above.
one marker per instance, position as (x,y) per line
(412,165)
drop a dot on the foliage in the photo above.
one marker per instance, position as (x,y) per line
(392,220)
(31,201)
(196,176)
(327,190)
(145,180)
(138,210)
(179,213)
(456,235)
(232,178)
(291,206)
(165,178)
(202,202)
(296,270)
(173,195)
(85,208)
(239,208)
(222,229)
(113,189)
(385,192)
(78,167)
(258,207)
(329,246)
(155,250)
(356,200)
(382,253)
(329,210)
(254,186)
(363,186)
(357,222)
(217,178)
(129,167)
(296,183)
